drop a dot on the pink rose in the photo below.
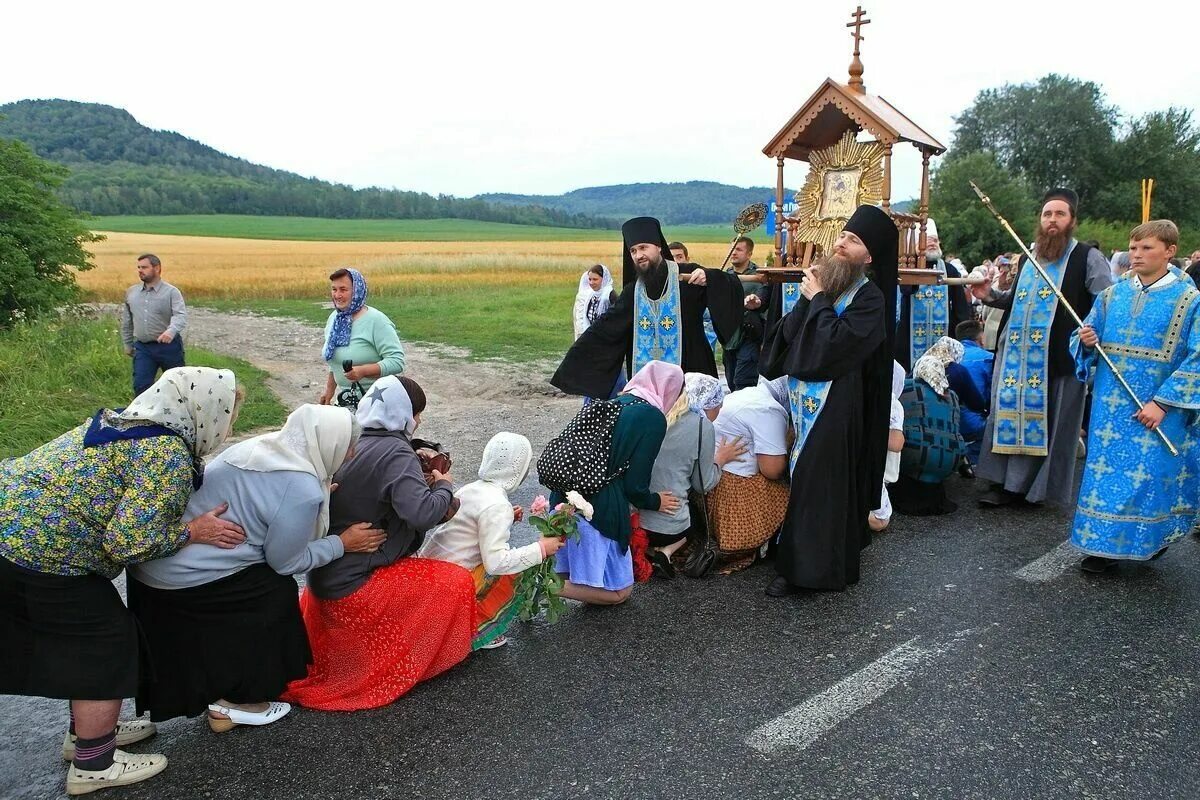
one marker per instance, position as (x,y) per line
(560,506)
(539,506)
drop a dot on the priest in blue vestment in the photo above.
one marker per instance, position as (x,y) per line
(1136,497)
(1037,404)
(659,316)
(924,314)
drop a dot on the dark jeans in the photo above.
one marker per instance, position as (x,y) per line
(150,357)
(741,366)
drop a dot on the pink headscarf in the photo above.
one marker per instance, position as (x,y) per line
(658,383)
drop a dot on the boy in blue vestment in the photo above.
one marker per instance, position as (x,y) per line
(1136,497)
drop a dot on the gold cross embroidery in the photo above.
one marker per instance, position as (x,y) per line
(810,404)
(1010,381)
(1035,382)
(939,330)
(789,289)
(1036,336)
(920,331)
(1014,337)
(1021,295)
(644,323)
(1045,292)
(667,323)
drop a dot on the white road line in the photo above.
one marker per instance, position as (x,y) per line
(806,723)
(1049,566)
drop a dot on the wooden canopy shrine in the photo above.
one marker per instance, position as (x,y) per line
(845,172)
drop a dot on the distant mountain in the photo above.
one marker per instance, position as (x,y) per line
(119,166)
(673,203)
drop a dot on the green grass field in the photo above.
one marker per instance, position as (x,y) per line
(54,375)
(378,230)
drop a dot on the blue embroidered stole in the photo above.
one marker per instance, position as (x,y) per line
(928,318)
(1021,425)
(791,293)
(657,334)
(807,398)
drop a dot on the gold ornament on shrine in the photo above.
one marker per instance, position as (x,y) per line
(846,172)
(840,179)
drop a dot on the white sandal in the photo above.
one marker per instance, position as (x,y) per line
(126,768)
(275,712)
(128,732)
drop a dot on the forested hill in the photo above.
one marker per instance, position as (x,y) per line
(673,203)
(119,166)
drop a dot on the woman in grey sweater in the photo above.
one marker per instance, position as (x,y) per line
(688,459)
(224,626)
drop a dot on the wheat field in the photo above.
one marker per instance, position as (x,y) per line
(208,268)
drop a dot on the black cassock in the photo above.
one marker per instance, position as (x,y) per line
(838,478)
(591,366)
(960,311)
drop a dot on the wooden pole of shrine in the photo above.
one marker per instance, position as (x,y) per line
(924,208)
(887,177)
(779,211)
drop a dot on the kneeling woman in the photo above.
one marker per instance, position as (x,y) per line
(379,623)
(598,565)
(224,626)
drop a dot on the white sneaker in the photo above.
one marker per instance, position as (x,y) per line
(503,640)
(275,712)
(126,768)
(128,732)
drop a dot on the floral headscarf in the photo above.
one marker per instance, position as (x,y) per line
(704,392)
(194,402)
(931,367)
(340,335)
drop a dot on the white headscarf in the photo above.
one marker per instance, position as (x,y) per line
(586,294)
(931,367)
(387,407)
(314,440)
(897,380)
(506,460)
(704,392)
(777,390)
(194,402)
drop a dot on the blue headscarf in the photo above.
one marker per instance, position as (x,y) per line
(340,335)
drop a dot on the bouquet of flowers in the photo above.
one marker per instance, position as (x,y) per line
(539,587)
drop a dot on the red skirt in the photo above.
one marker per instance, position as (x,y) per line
(411,621)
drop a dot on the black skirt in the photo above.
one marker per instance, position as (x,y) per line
(914,498)
(65,636)
(240,638)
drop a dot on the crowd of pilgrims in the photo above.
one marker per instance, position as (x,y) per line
(845,396)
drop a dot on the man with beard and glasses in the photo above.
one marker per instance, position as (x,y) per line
(835,347)
(659,316)
(1037,401)
(927,313)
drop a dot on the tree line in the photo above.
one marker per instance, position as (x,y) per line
(117,166)
(1019,140)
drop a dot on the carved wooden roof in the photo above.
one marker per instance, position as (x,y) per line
(832,110)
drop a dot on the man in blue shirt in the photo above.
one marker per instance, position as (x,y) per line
(977,364)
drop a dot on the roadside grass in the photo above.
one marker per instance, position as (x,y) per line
(55,374)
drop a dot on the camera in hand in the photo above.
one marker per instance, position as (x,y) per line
(350,397)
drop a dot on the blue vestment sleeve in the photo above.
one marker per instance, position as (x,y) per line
(1182,387)
(1086,358)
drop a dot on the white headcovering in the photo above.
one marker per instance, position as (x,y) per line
(931,228)
(387,406)
(704,392)
(931,367)
(897,379)
(314,440)
(195,402)
(777,389)
(506,460)
(585,295)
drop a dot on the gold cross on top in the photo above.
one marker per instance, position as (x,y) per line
(857,25)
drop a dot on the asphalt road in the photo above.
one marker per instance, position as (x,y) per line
(953,670)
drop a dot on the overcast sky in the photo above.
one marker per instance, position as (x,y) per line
(544,97)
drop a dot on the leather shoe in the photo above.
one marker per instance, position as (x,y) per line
(780,587)
(1097,564)
(996,498)
(661,563)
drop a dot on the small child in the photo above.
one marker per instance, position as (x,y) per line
(879,519)
(477,537)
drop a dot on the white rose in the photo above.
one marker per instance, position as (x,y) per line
(581,505)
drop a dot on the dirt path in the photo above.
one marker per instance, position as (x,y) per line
(469,401)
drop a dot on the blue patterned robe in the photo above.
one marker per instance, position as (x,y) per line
(1136,497)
